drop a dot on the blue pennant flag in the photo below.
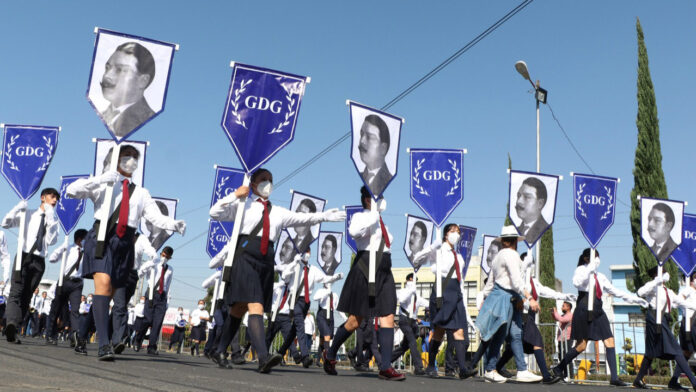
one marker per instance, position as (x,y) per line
(466,245)
(595,205)
(685,254)
(69,210)
(261,112)
(227,180)
(436,182)
(350,210)
(218,236)
(27,152)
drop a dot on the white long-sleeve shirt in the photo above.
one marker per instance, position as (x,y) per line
(442,254)
(45,306)
(199,315)
(505,271)
(649,292)
(365,225)
(140,203)
(71,259)
(210,281)
(584,275)
(279,290)
(139,310)
(143,251)
(279,218)
(36,301)
(309,325)
(156,269)
(323,298)
(83,308)
(410,301)
(314,275)
(180,321)
(689,294)
(4,259)
(31,228)
(131,316)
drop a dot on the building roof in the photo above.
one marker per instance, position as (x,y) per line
(621,267)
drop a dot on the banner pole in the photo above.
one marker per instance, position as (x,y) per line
(62,265)
(109,199)
(295,283)
(591,294)
(329,311)
(687,313)
(215,296)
(151,288)
(658,292)
(20,246)
(239,218)
(371,290)
(438,279)
(537,262)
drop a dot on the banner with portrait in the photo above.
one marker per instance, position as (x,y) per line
(491,247)
(532,201)
(685,254)
(661,223)
(436,181)
(285,249)
(154,234)
(218,236)
(261,112)
(350,241)
(227,180)
(419,234)
(128,80)
(374,146)
(69,210)
(304,236)
(467,235)
(27,152)
(595,205)
(330,248)
(102,158)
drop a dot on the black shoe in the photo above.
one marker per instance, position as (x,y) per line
(152,351)
(449,373)
(431,372)
(137,347)
(51,341)
(238,360)
(270,362)
(11,333)
(556,372)
(505,373)
(419,372)
(676,387)
(119,348)
(353,360)
(221,360)
(329,365)
(307,362)
(206,354)
(551,380)
(466,373)
(192,350)
(81,347)
(640,384)
(362,368)
(618,383)
(297,358)
(105,353)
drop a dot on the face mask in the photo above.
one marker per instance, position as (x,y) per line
(128,164)
(305,257)
(453,238)
(596,260)
(200,306)
(142,301)
(264,189)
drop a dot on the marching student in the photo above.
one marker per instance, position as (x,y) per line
(310,327)
(87,326)
(252,271)
(687,339)
(218,319)
(156,307)
(40,232)
(659,341)
(199,324)
(177,337)
(31,318)
(71,291)
(111,269)
(309,275)
(365,346)
(409,303)
(355,300)
(327,301)
(130,326)
(596,328)
(138,324)
(43,312)
(282,323)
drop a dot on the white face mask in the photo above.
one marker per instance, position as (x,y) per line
(305,257)
(264,189)
(200,306)
(128,164)
(596,260)
(453,238)
(142,301)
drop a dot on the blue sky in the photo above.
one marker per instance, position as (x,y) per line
(585,54)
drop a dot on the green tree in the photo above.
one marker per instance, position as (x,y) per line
(547,272)
(648,177)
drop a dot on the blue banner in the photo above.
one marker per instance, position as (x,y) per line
(261,112)
(218,235)
(27,152)
(466,245)
(436,182)
(227,180)
(595,205)
(69,210)
(350,210)
(685,254)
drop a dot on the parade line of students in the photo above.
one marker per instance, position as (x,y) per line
(257,286)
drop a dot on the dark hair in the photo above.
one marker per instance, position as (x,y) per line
(127,148)
(409,277)
(80,234)
(168,251)
(446,230)
(652,272)
(50,191)
(538,185)
(162,207)
(569,304)
(146,63)
(309,203)
(364,194)
(669,214)
(255,175)
(692,277)
(421,226)
(332,240)
(585,256)
(377,121)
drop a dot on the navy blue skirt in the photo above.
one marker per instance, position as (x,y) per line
(452,314)
(118,257)
(198,332)
(354,297)
(252,274)
(325,326)
(660,345)
(688,343)
(583,329)
(531,337)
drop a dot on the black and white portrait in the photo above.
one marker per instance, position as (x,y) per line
(303,236)
(154,234)
(102,158)
(329,255)
(661,225)
(285,250)
(128,80)
(419,232)
(491,247)
(375,146)
(532,203)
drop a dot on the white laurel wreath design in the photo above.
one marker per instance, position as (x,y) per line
(49,154)
(218,189)
(212,237)
(578,200)
(235,103)
(416,177)
(8,153)
(610,198)
(289,114)
(63,196)
(456,177)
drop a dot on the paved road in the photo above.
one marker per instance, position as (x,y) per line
(32,366)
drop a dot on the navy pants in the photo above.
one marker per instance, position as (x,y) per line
(283,325)
(154,316)
(71,293)
(22,289)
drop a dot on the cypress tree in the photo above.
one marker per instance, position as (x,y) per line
(547,272)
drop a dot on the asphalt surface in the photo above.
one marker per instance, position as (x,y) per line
(33,366)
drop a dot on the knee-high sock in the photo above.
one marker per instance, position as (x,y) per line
(504,358)
(197,351)
(541,361)
(572,353)
(341,336)
(644,366)
(684,365)
(460,352)
(257,336)
(100,310)
(229,330)
(611,360)
(386,346)
(432,353)
(675,377)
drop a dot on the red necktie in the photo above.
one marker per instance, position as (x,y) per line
(376,324)
(385,235)
(160,288)
(266,227)
(123,212)
(456,266)
(306,284)
(669,302)
(534,292)
(598,288)
(285,298)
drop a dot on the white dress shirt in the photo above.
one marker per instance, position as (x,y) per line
(505,271)
(180,320)
(156,269)
(210,281)
(71,259)
(83,308)
(364,226)
(584,275)
(309,325)
(131,316)
(279,289)
(45,306)
(689,294)
(323,298)
(143,251)
(649,292)
(31,228)
(139,310)
(35,301)
(444,254)
(279,218)
(410,301)
(140,203)
(314,275)
(4,259)
(197,315)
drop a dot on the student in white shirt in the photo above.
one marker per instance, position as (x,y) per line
(177,337)
(327,301)
(110,263)
(199,321)
(309,329)
(139,313)
(282,322)
(156,308)
(252,271)
(40,232)
(409,304)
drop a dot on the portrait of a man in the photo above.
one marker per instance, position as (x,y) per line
(303,234)
(491,247)
(286,251)
(660,225)
(532,203)
(328,252)
(155,235)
